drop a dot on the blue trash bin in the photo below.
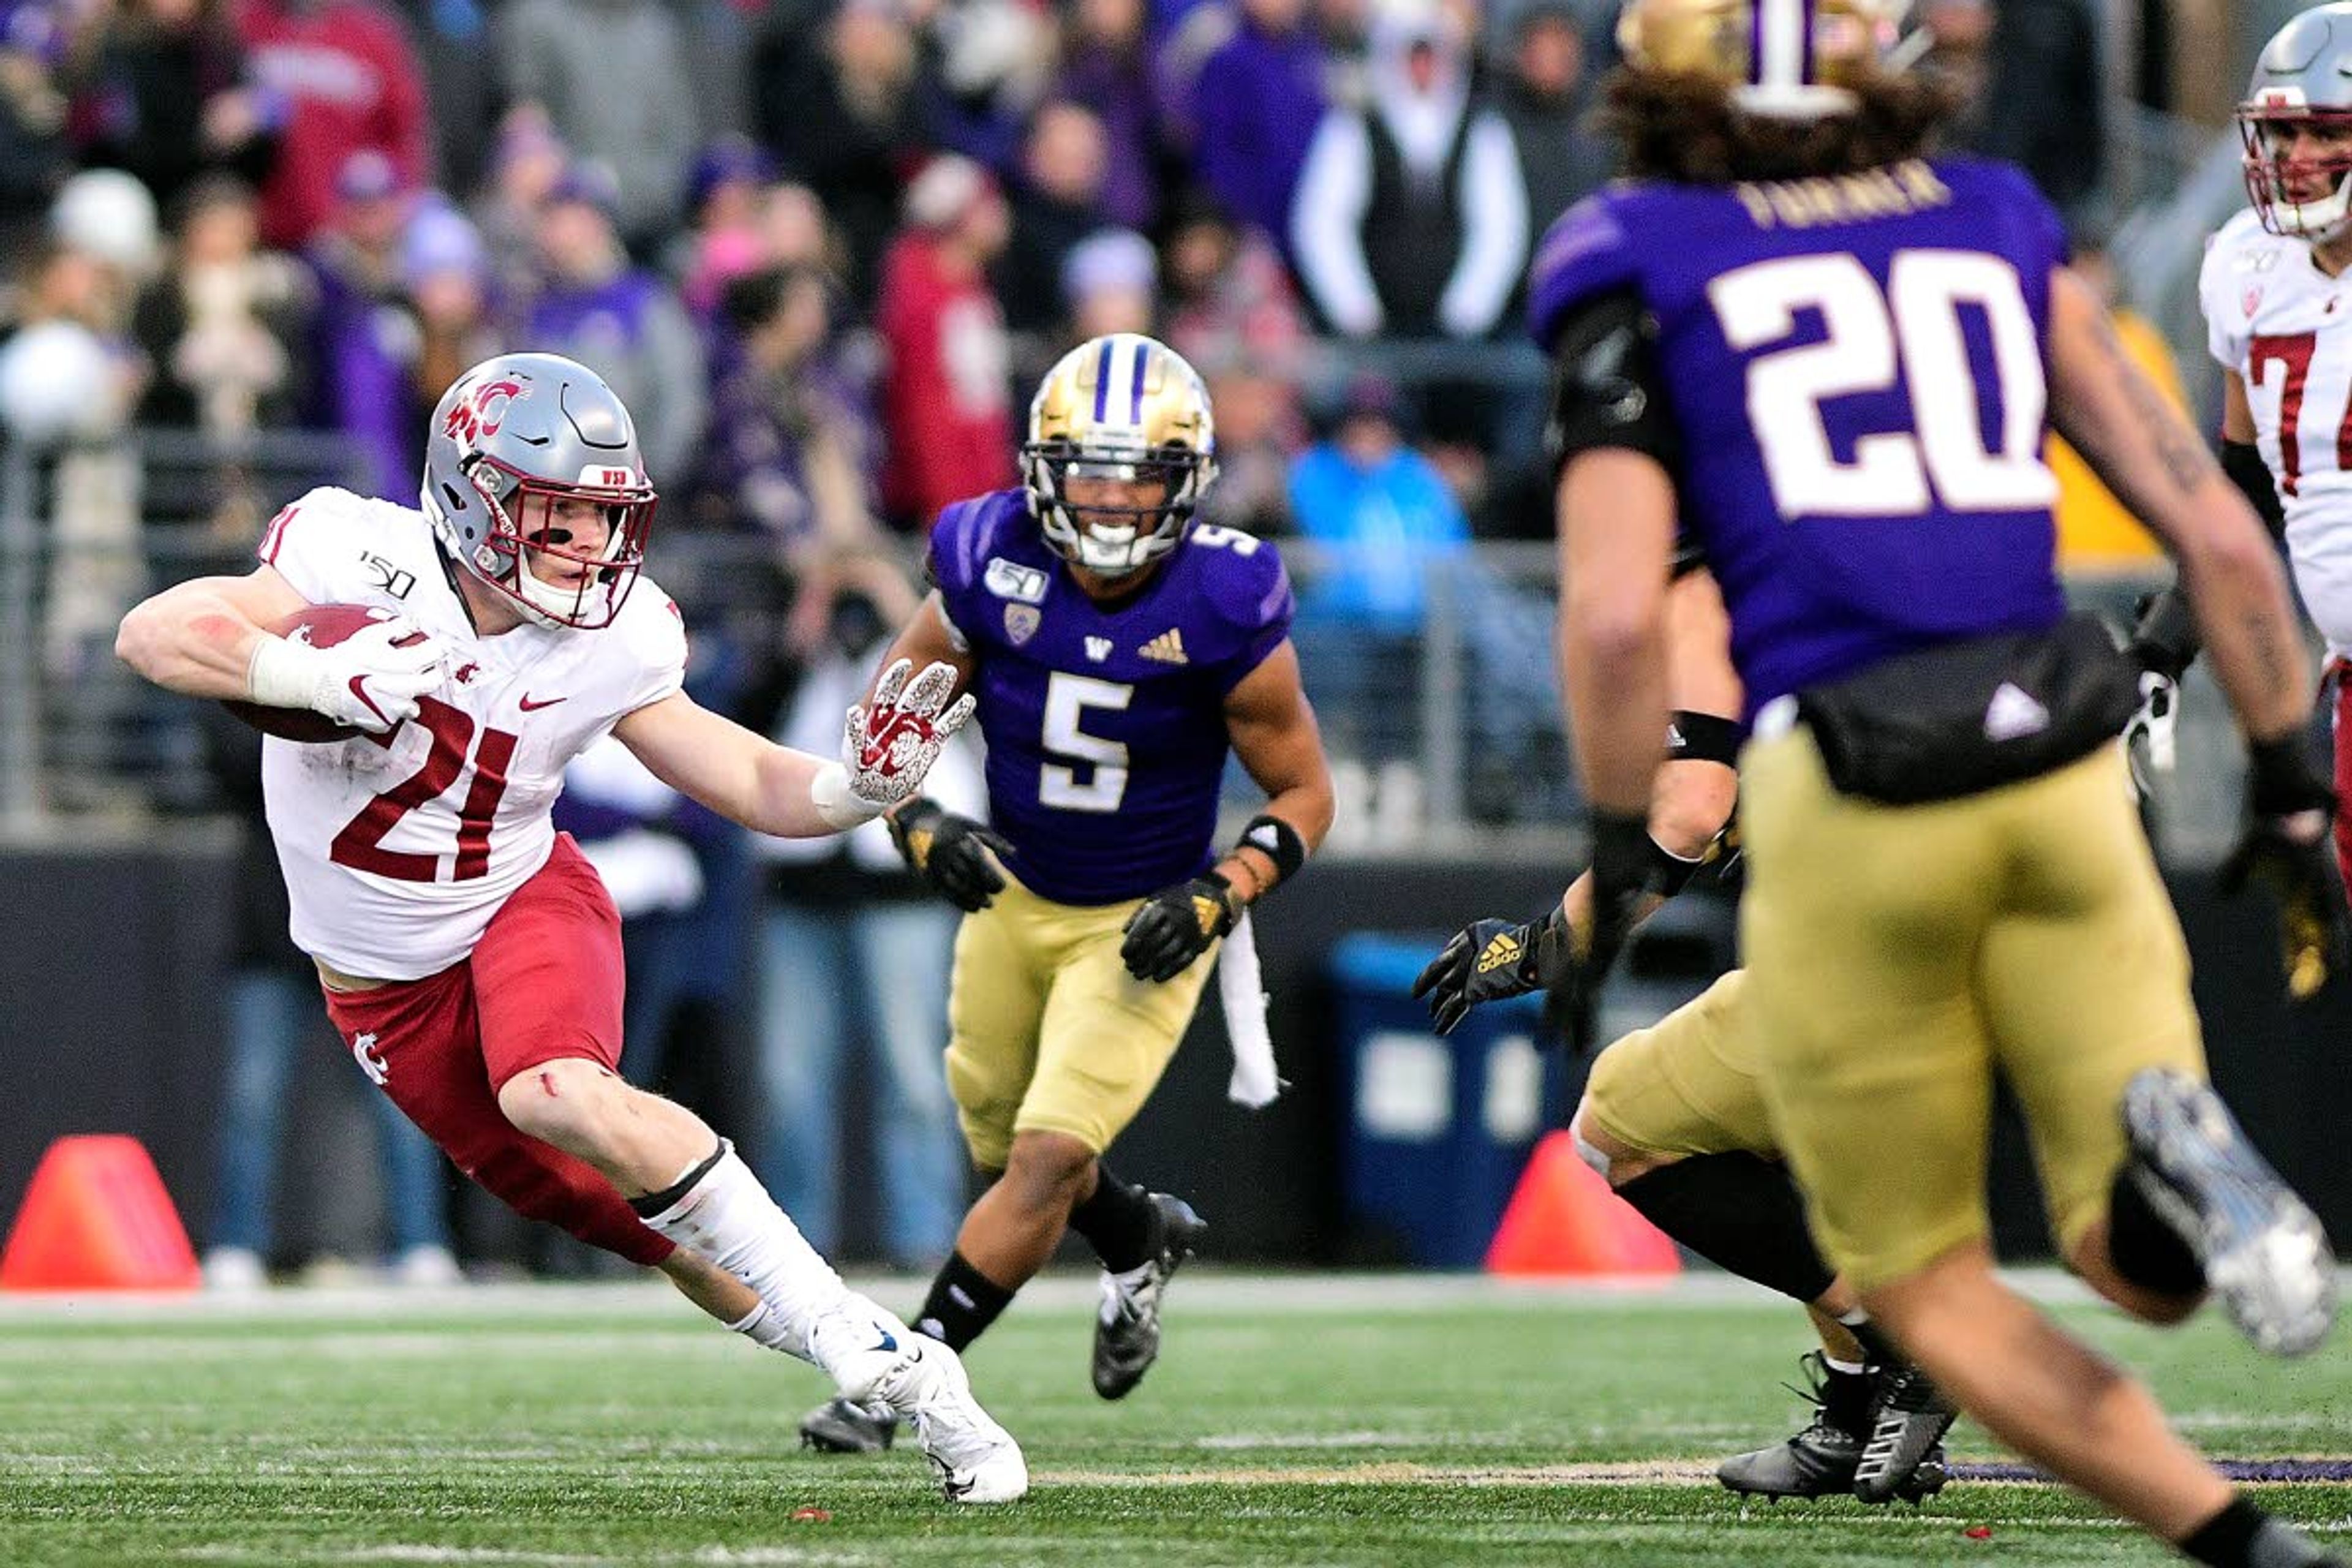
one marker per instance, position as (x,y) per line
(1438,1129)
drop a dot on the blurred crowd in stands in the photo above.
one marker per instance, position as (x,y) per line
(823,247)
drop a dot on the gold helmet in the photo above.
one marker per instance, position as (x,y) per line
(1786,59)
(1125,407)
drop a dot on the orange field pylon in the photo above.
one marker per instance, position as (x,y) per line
(97,1218)
(1563,1219)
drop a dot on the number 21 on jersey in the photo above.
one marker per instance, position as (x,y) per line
(360,845)
(1914,328)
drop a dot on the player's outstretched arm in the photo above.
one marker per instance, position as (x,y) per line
(2159,468)
(1690,804)
(889,742)
(736,774)
(198,637)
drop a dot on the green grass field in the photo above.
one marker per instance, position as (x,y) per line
(1357,1421)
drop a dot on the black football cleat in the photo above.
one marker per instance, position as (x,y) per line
(1817,1462)
(845,1427)
(1821,1461)
(1908,1417)
(2261,1247)
(1127,1325)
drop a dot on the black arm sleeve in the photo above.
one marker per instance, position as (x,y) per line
(1606,389)
(2243,463)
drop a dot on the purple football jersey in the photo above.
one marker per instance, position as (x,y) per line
(1857,367)
(1105,724)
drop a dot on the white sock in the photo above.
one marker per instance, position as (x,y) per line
(761,1327)
(806,1310)
(1850,1368)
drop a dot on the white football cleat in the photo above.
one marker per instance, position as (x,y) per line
(924,1381)
(2261,1247)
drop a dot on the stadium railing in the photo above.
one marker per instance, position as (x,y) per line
(1443,717)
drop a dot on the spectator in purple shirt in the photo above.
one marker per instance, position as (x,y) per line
(1104,66)
(362,331)
(1254,108)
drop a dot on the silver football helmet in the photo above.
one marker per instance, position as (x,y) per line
(516,445)
(2303,78)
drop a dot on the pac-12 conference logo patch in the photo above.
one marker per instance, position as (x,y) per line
(1021,623)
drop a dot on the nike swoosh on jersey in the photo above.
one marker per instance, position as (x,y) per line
(528,706)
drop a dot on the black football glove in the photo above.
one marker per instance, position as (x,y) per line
(2286,848)
(1625,869)
(949,852)
(1489,960)
(1176,926)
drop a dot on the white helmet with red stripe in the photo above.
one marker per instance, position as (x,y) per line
(515,445)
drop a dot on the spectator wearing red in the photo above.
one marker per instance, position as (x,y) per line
(350,83)
(946,400)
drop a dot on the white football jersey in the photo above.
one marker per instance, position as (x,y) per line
(2285,327)
(398,850)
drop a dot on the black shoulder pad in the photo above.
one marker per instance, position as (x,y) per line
(1606,389)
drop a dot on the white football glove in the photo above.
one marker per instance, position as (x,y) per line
(889,746)
(2149,740)
(370,681)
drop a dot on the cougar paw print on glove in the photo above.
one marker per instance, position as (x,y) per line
(891,741)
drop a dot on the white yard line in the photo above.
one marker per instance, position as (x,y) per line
(1206,1292)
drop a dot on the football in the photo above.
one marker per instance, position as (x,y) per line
(321,626)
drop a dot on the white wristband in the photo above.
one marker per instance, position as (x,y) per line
(842,810)
(283,674)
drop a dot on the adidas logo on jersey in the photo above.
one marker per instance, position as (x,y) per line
(2012,714)
(1168,648)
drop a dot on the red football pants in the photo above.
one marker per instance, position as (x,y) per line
(544,984)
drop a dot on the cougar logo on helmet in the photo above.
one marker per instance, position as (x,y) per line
(2295,124)
(535,484)
(483,413)
(1128,409)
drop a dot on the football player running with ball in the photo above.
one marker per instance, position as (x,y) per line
(470,957)
(1119,653)
(1829,358)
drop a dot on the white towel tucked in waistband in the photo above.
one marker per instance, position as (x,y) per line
(1242,990)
